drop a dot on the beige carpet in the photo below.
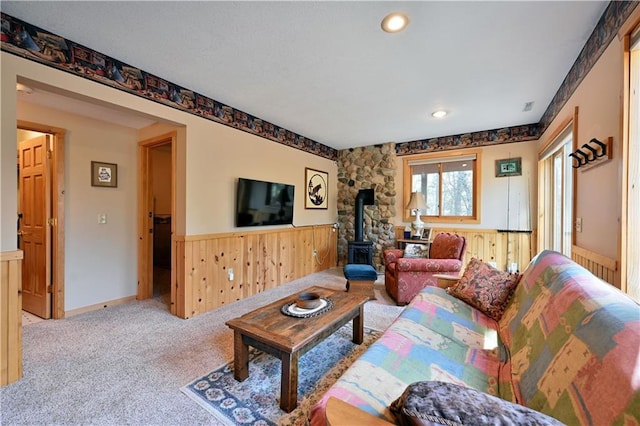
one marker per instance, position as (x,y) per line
(124,365)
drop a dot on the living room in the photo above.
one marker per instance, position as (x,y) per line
(101,266)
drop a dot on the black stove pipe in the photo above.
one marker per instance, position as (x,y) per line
(364,197)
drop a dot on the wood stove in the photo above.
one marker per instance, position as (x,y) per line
(360,251)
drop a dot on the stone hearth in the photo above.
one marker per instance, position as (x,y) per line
(370,167)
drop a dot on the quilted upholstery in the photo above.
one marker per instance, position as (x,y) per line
(405,277)
(437,337)
(575,345)
(568,345)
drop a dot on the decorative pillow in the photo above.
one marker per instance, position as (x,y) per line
(424,403)
(485,288)
(416,251)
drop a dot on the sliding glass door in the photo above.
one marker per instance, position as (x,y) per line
(631,170)
(556,203)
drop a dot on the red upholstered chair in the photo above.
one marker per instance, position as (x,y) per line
(405,277)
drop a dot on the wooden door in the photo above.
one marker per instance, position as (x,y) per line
(34,233)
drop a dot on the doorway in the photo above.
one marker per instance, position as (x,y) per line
(40,217)
(156,219)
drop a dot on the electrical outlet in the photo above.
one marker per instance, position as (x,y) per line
(578,224)
(102,218)
(230,274)
(315,253)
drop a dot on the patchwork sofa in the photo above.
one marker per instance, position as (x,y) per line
(566,345)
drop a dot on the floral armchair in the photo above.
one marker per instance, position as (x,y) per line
(404,277)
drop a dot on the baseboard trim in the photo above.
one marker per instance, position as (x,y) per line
(98,306)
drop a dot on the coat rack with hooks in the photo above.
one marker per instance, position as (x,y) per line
(592,153)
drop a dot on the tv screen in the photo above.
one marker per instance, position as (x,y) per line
(260,203)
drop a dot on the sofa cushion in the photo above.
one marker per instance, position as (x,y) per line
(416,251)
(451,404)
(485,288)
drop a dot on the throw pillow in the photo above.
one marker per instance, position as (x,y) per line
(416,251)
(424,403)
(485,288)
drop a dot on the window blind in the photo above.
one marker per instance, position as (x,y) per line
(457,158)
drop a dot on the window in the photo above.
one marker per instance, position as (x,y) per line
(449,183)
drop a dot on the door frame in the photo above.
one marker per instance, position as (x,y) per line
(57,212)
(145,220)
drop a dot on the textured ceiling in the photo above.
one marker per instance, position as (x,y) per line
(327,71)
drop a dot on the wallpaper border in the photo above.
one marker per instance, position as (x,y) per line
(60,53)
(19,38)
(607,27)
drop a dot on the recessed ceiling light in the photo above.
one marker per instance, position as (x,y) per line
(439,113)
(395,22)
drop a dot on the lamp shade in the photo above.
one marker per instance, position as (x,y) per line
(417,201)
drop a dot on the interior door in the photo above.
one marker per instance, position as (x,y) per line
(34,232)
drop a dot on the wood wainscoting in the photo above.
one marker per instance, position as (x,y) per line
(601,266)
(503,248)
(10,316)
(260,260)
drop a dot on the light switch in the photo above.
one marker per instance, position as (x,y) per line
(578,224)
(102,218)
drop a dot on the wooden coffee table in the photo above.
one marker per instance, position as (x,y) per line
(288,338)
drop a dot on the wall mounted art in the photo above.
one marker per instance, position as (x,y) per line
(317,189)
(104,174)
(509,167)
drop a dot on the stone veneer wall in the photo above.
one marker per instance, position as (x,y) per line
(364,168)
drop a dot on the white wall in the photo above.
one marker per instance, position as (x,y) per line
(598,190)
(8,140)
(100,259)
(516,194)
(217,160)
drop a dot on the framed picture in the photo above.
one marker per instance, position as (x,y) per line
(316,188)
(426,234)
(104,174)
(509,167)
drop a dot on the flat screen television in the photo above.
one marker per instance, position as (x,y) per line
(260,203)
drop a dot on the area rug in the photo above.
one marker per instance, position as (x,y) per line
(256,401)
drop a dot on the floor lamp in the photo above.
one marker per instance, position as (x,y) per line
(416,204)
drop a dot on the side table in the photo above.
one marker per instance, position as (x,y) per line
(402,242)
(446,281)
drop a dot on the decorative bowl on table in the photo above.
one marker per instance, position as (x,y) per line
(308,300)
